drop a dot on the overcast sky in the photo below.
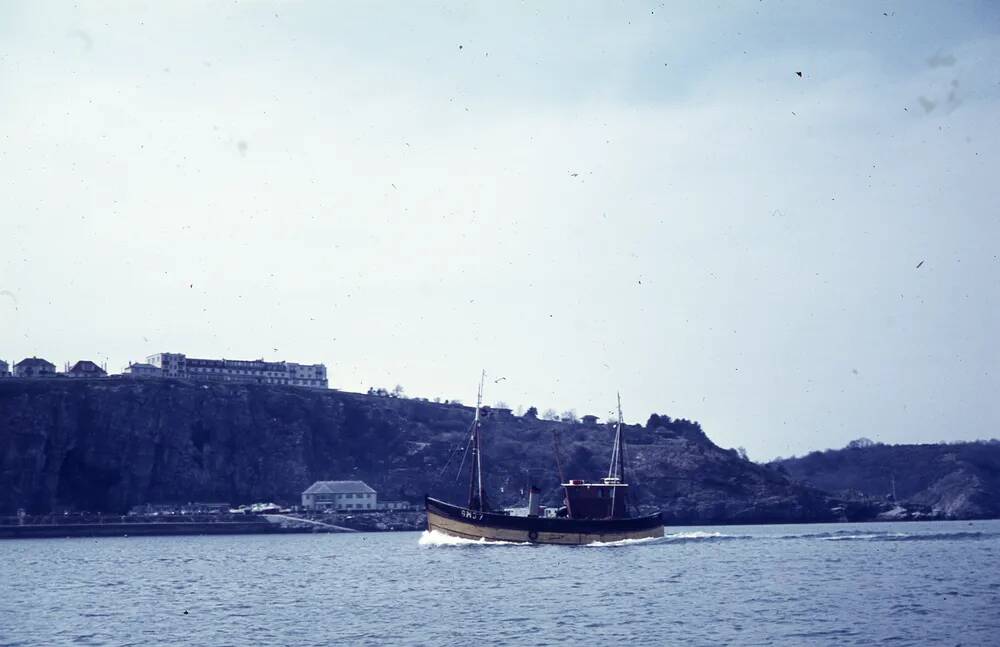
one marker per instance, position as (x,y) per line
(718,211)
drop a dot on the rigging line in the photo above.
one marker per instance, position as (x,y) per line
(451,455)
(630,498)
(614,468)
(468,444)
(615,456)
(479,453)
(556,450)
(617,468)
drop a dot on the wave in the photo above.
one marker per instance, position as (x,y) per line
(700,536)
(931,536)
(433,539)
(867,536)
(835,535)
(884,535)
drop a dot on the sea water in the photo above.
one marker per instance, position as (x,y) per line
(856,584)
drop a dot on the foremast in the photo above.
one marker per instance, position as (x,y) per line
(477,496)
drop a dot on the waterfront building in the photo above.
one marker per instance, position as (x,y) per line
(34,367)
(255,371)
(339,495)
(141,369)
(86,368)
(4,369)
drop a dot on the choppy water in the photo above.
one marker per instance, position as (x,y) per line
(899,584)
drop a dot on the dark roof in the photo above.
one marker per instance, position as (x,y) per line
(339,487)
(86,366)
(35,361)
(142,365)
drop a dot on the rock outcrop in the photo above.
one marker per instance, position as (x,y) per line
(957,481)
(106,445)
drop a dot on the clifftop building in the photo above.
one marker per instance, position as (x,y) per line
(34,367)
(86,368)
(255,371)
(141,370)
(4,369)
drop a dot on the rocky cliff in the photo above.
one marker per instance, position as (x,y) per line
(105,445)
(959,481)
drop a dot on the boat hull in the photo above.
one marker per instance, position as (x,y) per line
(461,522)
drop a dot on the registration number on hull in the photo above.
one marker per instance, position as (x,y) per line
(473,516)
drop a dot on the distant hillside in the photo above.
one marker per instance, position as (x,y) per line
(105,445)
(956,480)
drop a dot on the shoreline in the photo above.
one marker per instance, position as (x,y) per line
(167,529)
(152,529)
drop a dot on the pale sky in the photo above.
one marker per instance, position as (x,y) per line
(579,197)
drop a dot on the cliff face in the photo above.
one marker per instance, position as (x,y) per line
(958,481)
(105,445)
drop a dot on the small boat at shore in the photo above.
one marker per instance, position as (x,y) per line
(591,512)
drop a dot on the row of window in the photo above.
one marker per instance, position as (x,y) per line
(342,495)
(241,372)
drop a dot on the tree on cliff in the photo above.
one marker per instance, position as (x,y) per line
(681,426)
(656,420)
(532,412)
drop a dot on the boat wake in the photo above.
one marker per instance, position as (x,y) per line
(435,539)
(700,536)
(672,538)
(876,535)
(626,542)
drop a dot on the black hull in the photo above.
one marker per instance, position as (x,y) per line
(469,524)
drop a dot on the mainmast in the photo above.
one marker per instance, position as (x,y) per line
(617,468)
(477,498)
(616,472)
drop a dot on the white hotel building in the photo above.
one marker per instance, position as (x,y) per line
(255,371)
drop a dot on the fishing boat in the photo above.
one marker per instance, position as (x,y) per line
(591,512)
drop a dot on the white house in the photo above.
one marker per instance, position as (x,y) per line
(339,495)
(34,367)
